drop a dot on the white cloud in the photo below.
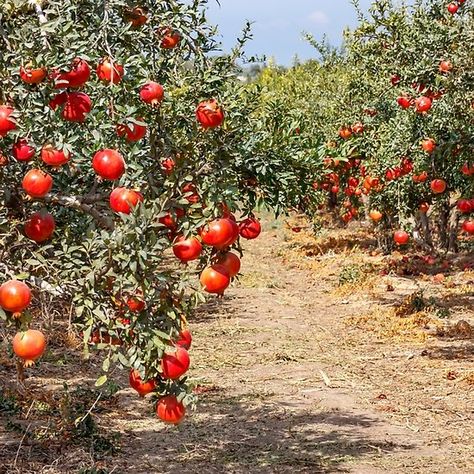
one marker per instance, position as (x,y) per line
(319,17)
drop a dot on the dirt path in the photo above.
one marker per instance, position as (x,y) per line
(275,400)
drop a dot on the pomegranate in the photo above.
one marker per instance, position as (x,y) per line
(404,102)
(468,226)
(215,279)
(209,114)
(250,228)
(142,387)
(423,104)
(438,186)
(40,226)
(152,93)
(133,132)
(175,365)
(75,78)
(429,145)
(230,262)
(7,122)
(376,216)
(345,132)
(109,71)
(22,151)
(169,410)
(169,38)
(218,232)
(37,183)
(15,296)
(187,249)
(445,66)
(54,157)
(29,346)
(109,164)
(401,237)
(465,206)
(33,75)
(75,105)
(124,200)
(453,8)
(184,339)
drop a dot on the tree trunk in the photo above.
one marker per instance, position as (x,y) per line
(453,230)
(426,229)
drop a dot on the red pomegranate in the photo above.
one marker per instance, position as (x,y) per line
(22,151)
(468,226)
(124,200)
(209,114)
(423,104)
(109,164)
(231,262)
(175,365)
(54,157)
(75,105)
(187,249)
(7,122)
(29,346)
(109,71)
(152,93)
(438,186)
(133,132)
(40,226)
(465,206)
(250,228)
(33,75)
(15,296)
(184,339)
(142,387)
(169,38)
(401,237)
(404,102)
(169,410)
(37,183)
(75,78)
(218,232)
(215,279)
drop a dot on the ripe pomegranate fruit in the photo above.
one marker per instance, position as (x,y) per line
(250,228)
(169,38)
(395,79)
(468,226)
(29,345)
(124,200)
(467,169)
(194,197)
(465,206)
(133,132)
(438,186)
(187,249)
(15,296)
(230,262)
(54,157)
(22,151)
(33,75)
(401,237)
(209,114)
(109,164)
(429,145)
(110,72)
(75,78)
(404,102)
(184,339)
(445,66)
(215,279)
(37,183)
(376,216)
(136,303)
(424,207)
(218,232)
(423,104)
(40,226)
(152,93)
(345,132)
(168,165)
(74,105)
(142,387)
(169,410)
(169,221)
(136,16)
(7,122)
(175,365)
(453,8)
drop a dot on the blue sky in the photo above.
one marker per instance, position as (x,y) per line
(278,24)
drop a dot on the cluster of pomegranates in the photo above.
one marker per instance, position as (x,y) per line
(15,297)
(174,365)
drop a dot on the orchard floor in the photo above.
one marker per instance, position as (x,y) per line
(299,374)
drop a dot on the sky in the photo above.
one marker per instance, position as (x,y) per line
(278,24)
